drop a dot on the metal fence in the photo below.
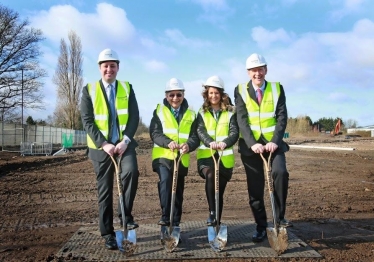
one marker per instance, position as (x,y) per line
(34,139)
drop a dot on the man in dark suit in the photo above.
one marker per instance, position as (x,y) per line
(262,120)
(110,116)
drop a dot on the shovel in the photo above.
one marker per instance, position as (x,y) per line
(277,236)
(217,235)
(170,235)
(126,239)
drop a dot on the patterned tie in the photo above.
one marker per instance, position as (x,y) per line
(259,95)
(112,99)
(175,112)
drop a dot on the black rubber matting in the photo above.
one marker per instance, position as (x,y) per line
(87,244)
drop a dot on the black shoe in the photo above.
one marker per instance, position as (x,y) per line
(259,236)
(111,243)
(163,223)
(132,225)
(285,223)
(211,221)
(180,240)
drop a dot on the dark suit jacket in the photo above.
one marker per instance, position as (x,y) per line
(248,140)
(90,127)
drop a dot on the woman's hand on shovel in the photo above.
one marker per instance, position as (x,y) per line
(184,148)
(173,145)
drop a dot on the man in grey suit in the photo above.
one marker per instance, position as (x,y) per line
(262,119)
(110,116)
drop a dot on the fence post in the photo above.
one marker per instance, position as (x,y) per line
(2,135)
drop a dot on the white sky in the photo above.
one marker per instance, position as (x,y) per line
(322,52)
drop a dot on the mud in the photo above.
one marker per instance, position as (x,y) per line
(45,199)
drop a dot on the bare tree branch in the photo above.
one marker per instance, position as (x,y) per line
(19,66)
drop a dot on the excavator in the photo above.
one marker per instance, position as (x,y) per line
(336,130)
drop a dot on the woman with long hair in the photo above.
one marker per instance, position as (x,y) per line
(218,131)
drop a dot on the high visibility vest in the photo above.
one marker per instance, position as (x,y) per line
(101,110)
(178,133)
(261,118)
(218,130)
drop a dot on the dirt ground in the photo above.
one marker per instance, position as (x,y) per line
(45,199)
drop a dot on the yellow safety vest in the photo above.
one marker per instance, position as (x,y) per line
(218,130)
(261,118)
(178,133)
(101,110)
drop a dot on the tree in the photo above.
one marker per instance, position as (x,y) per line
(329,123)
(351,123)
(30,121)
(41,122)
(299,125)
(69,81)
(20,74)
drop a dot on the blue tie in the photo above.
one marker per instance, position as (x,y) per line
(114,129)
(175,112)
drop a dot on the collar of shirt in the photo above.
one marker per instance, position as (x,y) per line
(107,88)
(262,87)
(176,109)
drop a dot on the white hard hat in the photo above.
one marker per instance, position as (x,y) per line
(215,81)
(107,55)
(174,84)
(255,60)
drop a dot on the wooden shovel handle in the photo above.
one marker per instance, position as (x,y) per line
(118,179)
(268,172)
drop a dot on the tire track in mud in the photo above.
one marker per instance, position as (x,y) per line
(50,208)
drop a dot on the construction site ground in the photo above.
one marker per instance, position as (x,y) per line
(45,200)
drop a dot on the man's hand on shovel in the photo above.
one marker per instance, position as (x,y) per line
(258,148)
(271,147)
(120,148)
(108,148)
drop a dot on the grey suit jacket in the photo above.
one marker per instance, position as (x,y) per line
(247,140)
(92,130)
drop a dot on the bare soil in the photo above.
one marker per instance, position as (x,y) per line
(45,199)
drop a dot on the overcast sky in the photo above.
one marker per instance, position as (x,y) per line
(322,52)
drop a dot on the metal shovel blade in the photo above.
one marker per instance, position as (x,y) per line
(211,233)
(217,241)
(170,241)
(277,240)
(127,245)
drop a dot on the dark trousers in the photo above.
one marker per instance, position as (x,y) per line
(254,169)
(165,189)
(105,173)
(210,189)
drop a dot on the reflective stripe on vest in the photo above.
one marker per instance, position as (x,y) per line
(261,118)
(218,130)
(101,110)
(178,133)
